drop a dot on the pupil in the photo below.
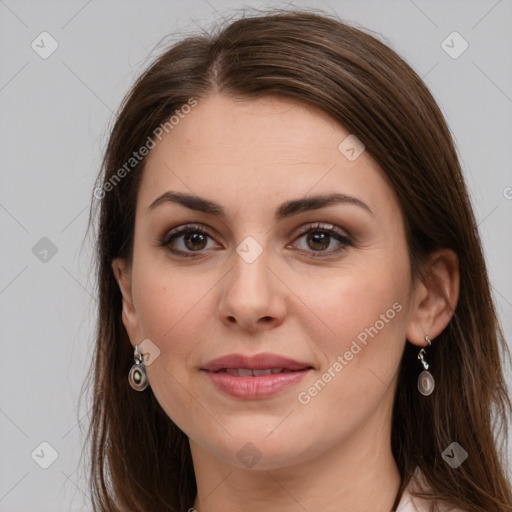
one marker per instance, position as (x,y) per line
(319,238)
(195,238)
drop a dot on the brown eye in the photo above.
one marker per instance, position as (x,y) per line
(319,238)
(187,240)
(195,240)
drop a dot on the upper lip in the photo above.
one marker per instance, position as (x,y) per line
(255,362)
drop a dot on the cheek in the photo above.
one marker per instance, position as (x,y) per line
(358,295)
(173,309)
(360,320)
(359,365)
(164,293)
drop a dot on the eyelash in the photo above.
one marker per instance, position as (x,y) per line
(314,228)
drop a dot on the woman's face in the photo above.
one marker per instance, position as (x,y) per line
(281,272)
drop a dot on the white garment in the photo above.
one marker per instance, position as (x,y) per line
(409,503)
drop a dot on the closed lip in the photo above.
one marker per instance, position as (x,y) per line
(261,361)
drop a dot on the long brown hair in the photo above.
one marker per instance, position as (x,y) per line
(140,460)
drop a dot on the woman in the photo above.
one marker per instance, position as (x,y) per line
(294,309)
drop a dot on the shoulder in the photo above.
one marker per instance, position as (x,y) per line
(409,503)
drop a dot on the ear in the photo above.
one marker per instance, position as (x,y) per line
(122,273)
(435,297)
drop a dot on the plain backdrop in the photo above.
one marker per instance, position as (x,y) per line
(54,123)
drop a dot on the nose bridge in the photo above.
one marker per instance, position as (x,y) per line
(249,280)
(251,295)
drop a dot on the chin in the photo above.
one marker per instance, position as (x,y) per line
(258,454)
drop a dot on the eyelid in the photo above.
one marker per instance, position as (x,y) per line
(300,231)
(165,240)
(321,226)
(344,238)
(183,228)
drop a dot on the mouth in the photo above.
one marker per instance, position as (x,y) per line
(253,372)
(255,377)
(265,361)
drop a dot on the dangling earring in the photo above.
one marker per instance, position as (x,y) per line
(137,377)
(426,382)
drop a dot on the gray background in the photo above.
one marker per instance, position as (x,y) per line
(55,115)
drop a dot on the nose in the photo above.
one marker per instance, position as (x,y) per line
(253,298)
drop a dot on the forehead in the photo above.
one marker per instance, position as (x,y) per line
(252,151)
(246,126)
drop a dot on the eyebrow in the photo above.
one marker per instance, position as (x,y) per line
(285,210)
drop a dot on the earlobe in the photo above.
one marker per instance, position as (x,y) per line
(436,297)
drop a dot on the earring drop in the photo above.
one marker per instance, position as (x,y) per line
(426,382)
(137,377)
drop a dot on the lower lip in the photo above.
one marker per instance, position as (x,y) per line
(255,387)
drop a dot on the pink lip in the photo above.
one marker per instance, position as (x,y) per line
(256,362)
(260,386)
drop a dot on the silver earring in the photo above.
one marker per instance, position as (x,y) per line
(137,377)
(426,382)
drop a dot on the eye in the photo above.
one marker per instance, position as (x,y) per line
(319,237)
(189,239)
(186,240)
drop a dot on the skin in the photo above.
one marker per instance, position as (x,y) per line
(332,453)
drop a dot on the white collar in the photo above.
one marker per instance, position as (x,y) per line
(409,503)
